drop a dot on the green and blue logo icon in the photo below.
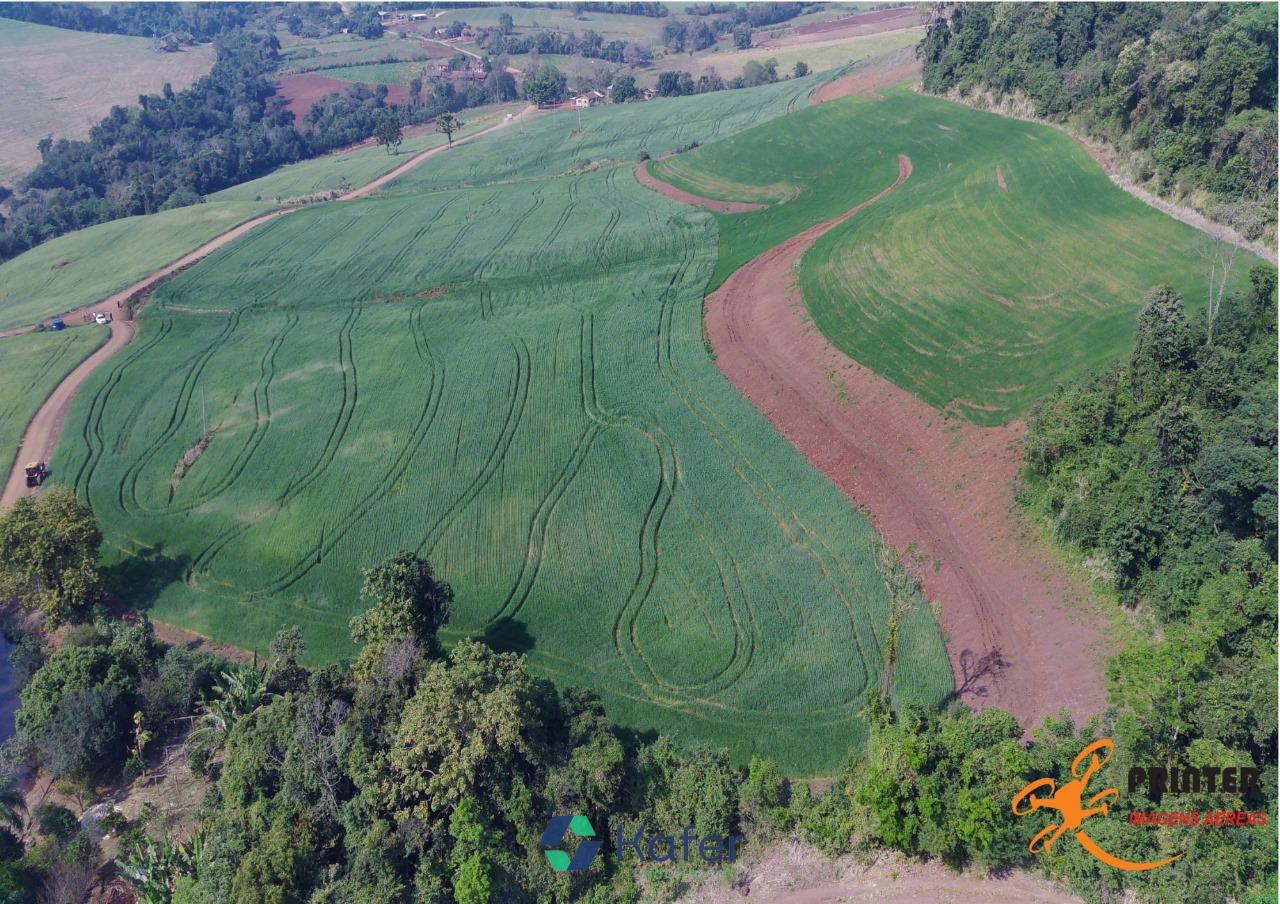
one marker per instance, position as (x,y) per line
(580,826)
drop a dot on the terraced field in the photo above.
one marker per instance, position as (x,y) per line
(1007,263)
(30,366)
(499,364)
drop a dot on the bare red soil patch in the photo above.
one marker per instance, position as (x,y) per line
(302,90)
(648,180)
(889,69)
(939,489)
(1004,186)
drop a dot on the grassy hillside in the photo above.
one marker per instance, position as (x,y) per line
(81,267)
(973,296)
(60,82)
(554,145)
(31,365)
(509,379)
(358,167)
(818,55)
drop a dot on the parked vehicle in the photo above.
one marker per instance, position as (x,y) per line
(100,318)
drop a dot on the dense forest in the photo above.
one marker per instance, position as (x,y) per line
(1186,91)
(1161,473)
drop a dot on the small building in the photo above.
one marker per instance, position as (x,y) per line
(588,99)
(648,94)
(419,17)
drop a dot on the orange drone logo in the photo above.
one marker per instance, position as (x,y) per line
(1069,802)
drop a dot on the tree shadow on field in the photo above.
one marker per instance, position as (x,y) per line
(979,673)
(507,635)
(139,579)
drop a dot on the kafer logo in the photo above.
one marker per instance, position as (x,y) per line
(556,829)
(1069,802)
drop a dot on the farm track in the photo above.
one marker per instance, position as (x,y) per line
(939,490)
(45,428)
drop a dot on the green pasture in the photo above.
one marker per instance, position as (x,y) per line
(376,73)
(299,54)
(60,82)
(975,298)
(821,55)
(562,142)
(509,378)
(351,169)
(610,26)
(31,365)
(82,267)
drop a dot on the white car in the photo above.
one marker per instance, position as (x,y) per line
(100,318)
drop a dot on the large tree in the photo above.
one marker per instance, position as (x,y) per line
(408,601)
(48,554)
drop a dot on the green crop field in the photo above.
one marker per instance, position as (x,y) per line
(376,73)
(81,267)
(31,365)
(974,297)
(499,364)
(300,54)
(54,81)
(818,56)
(352,169)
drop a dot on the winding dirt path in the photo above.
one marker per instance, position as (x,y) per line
(649,180)
(42,433)
(939,489)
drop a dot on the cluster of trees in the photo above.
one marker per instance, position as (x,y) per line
(497,41)
(1188,91)
(414,773)
(199,22)
(315,20)
(1162,472)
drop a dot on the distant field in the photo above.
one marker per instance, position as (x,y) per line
(613,133)
(377,73)
(499,363)
(309,54)
(81,267)
(819,55)
(355,168)
(972,295)
(610,26)
(59,82)
(31,365)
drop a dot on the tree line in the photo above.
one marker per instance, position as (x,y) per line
(1187,91)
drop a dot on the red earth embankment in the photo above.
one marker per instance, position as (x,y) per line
(649,180)
(1019,632)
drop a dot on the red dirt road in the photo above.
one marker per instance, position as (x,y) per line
(939,489)
(649,180)
(42,433)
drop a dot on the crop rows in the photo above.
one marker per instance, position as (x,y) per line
(509,379)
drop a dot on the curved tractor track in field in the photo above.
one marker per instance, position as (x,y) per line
(42,433)
(939,490)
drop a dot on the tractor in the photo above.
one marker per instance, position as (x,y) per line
(37,471)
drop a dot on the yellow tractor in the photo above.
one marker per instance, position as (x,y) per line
(37,471)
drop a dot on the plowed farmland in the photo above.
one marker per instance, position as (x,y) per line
(498,363)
